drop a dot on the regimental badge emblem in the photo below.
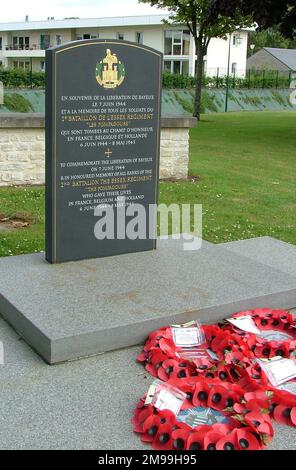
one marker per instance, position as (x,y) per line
(110,72)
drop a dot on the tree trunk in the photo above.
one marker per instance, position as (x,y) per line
(199,75)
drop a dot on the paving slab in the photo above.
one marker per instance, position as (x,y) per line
(83,308)
(83,404)
(267,250)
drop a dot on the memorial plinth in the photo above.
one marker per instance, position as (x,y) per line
(77,309)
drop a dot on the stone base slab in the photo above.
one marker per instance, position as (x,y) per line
(84,308)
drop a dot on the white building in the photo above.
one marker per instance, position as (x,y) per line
(23,44)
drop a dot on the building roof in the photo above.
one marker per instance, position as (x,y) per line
(139,20)
(286,56)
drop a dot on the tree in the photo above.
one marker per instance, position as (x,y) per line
(270,37)
(205,22)
(266,13)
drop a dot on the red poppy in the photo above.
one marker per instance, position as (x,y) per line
(150,427)
(221,397)
(221,343)
(140,415)
(195,440)
(168,347)
(260,423)
(284,414)
(180,438)
(234,357)
(163,439)
(256,395)
(173,369)
(223,372)
(211,439)
(203,363)
(227,442)
(142,357)
(155,363)
(279,349)
(263,350)
(251,341)
(246,440)
(258,405)
(201,394)
(155,423)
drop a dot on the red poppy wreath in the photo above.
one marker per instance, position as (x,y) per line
(277,335)
(213,416)
(236,351)
(225,355)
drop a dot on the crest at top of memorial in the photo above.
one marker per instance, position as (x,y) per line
(110,72)
(102,149)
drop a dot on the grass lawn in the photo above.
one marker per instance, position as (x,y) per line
(246,164)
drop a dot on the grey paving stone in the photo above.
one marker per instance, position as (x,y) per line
(269,251)
(83,404)
(79,309)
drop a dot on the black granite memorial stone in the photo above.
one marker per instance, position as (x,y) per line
(102,147)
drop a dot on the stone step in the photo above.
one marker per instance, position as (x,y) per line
(269,251)
(79,309)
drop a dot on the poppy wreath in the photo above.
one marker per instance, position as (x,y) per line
(248,425)
(266,319)
(161,359)
(281,403)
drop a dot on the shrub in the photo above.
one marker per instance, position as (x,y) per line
(254,79)
(17,78)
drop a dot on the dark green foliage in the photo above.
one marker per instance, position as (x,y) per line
(254,79)
(16,78)
(175,80)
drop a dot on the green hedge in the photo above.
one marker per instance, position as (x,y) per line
(253,80)
(16,78)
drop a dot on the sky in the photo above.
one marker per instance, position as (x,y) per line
(41,9)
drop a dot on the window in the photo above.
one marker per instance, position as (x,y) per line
(21,42)
(44,41)
(176,42)
(168,37)
(186,42)
(236,40)
(79,37)
(120,36)
(185,67)
(58,39)
(176,66)
(139,38)
(233,68)
(167,66)
(20,64)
